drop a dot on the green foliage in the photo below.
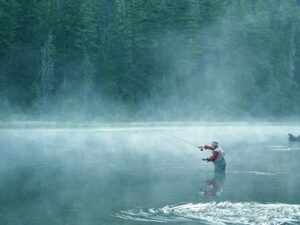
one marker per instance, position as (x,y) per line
(150,59)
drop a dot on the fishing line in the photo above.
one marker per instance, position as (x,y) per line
(180,139)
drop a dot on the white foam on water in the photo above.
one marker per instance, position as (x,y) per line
(277,146)
(221,213)
(282,148)
(260,173)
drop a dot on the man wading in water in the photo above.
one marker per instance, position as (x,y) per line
(217,157)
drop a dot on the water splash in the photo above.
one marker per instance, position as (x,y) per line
(218,213)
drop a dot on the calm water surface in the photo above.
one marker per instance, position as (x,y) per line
(142,176)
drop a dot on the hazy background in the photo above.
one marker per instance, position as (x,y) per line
(174,62)
(117,60)
(137,175)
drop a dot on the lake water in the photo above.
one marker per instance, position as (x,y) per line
(142,175)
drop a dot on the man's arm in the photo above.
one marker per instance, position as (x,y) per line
(209,147)
(213,157)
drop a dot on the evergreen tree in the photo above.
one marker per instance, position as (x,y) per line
(105,58)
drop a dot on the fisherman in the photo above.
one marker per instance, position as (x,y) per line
(217,157)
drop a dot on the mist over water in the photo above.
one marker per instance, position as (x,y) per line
(115,60)
(74,73)
(138,175)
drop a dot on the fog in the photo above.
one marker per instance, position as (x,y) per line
(103,104)
(117,61)
(117,175)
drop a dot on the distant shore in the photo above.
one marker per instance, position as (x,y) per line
(94,124)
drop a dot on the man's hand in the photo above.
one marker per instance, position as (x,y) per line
(201,148)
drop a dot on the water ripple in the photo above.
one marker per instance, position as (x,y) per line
(259,173)
(218,213)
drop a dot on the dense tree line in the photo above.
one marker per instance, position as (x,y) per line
(149,59)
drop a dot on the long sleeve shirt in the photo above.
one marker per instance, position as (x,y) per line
(214,155)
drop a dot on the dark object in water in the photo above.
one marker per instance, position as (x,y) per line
(294,138)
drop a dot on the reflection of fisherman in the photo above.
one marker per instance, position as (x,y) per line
(213,186)
(217,157)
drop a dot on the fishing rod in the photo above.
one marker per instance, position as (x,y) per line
(180,139)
